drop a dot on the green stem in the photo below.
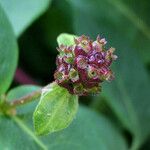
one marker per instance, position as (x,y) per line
(9,107)
(25,99)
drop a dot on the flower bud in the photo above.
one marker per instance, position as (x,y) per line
(73,74)
(82,67)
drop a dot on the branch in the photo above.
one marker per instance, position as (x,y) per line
(25,99)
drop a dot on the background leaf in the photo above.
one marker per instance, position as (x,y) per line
(8,53)
(23,13)
(94,130)
(55,111)
(134,26)
(58,19)
(136,12)
(128,94)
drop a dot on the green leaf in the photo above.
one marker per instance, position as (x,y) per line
(55,111)
(53,27)
(127,23)
(21,91)
(146,145)
(23,13)
(8,53)
(138,16)
(88,131)
(128,95)
(66,39)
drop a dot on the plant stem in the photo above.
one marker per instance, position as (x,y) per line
(25,99)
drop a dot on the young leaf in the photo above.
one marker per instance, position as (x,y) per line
(23,13)
(66,39)
(8,53)
(55,111)
(88,131)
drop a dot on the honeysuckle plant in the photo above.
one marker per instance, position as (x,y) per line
(82,66)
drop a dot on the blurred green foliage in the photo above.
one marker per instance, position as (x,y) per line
(125,101)
(8,53)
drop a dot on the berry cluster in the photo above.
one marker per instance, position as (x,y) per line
(82,67)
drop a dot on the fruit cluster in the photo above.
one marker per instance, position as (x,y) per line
(83,66)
